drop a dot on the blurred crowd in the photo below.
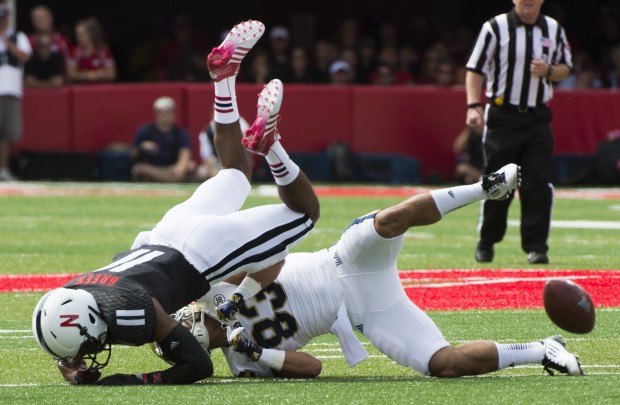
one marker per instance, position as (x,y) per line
(353,54)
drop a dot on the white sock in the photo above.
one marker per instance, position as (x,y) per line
(248,288)
(272,358)
(515,354)
(226,110)
(284,170)
(450,199)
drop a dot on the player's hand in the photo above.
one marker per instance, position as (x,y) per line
(121,379)
(86,377)
(241,344)
(539,68)
(226,312)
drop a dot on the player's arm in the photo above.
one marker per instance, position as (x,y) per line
(248,287)
(298,365)
(287,364)
(191,362)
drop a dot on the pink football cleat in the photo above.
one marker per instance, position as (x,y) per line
(263,133)
(224,61)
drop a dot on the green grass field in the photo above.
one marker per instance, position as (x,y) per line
(69,234)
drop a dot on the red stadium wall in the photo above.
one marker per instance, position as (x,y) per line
(419,121)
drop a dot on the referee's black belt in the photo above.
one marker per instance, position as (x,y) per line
(517,109)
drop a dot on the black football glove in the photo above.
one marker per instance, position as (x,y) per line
(121,379)
(86,377)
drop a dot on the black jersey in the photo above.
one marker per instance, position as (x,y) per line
(124,290)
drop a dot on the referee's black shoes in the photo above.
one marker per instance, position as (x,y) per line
(484,253)
(537,258)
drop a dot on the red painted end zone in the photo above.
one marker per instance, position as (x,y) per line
(438,289)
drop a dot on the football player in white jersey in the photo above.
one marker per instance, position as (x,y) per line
(355,284)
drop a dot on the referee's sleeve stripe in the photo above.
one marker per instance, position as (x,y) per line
(567,58)
(482,59)
(559,48)
(498,62)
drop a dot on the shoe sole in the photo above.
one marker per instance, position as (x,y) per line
(225,60)
(269,102)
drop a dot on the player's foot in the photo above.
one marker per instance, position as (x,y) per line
(560,359)
(224,61)
(499,184)
(263,133)
(241,344)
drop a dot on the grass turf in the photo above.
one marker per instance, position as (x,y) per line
(80,233)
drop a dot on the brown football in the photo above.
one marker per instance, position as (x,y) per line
(569,306)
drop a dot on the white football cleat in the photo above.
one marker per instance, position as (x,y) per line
(499,184)
(263,132)
(225,60)
(560,359)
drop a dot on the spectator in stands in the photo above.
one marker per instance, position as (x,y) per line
(46,67)
(444,73)
(279,43)
(469,156)
(325,54)
(162,151)
(15,50)
(349,55)
(584,74)
(340,73)
(43,23)
(301,69)
(209,162)
(389,56)
(613,77)
(91,60)
(259,71)
(184,55)
(430,60)
(367,61)
(384,75)
(409,60)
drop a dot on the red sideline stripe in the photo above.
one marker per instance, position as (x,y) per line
(441,289)
(33,282)
(498,289)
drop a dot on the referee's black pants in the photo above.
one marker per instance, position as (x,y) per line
(524,138)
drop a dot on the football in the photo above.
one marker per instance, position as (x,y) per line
(568,305)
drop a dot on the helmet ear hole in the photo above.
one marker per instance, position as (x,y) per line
(92,318)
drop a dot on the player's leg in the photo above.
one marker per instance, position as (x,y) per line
(263,138)
(428,208)
(294,188)
(484,356)
(223,63)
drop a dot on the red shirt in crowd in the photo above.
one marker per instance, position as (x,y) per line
(60,43)
(96,60)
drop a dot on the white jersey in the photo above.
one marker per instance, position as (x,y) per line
(303,303)
(354,283)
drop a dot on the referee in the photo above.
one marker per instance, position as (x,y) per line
(521,53)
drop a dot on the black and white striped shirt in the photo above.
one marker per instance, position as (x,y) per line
(504,51)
